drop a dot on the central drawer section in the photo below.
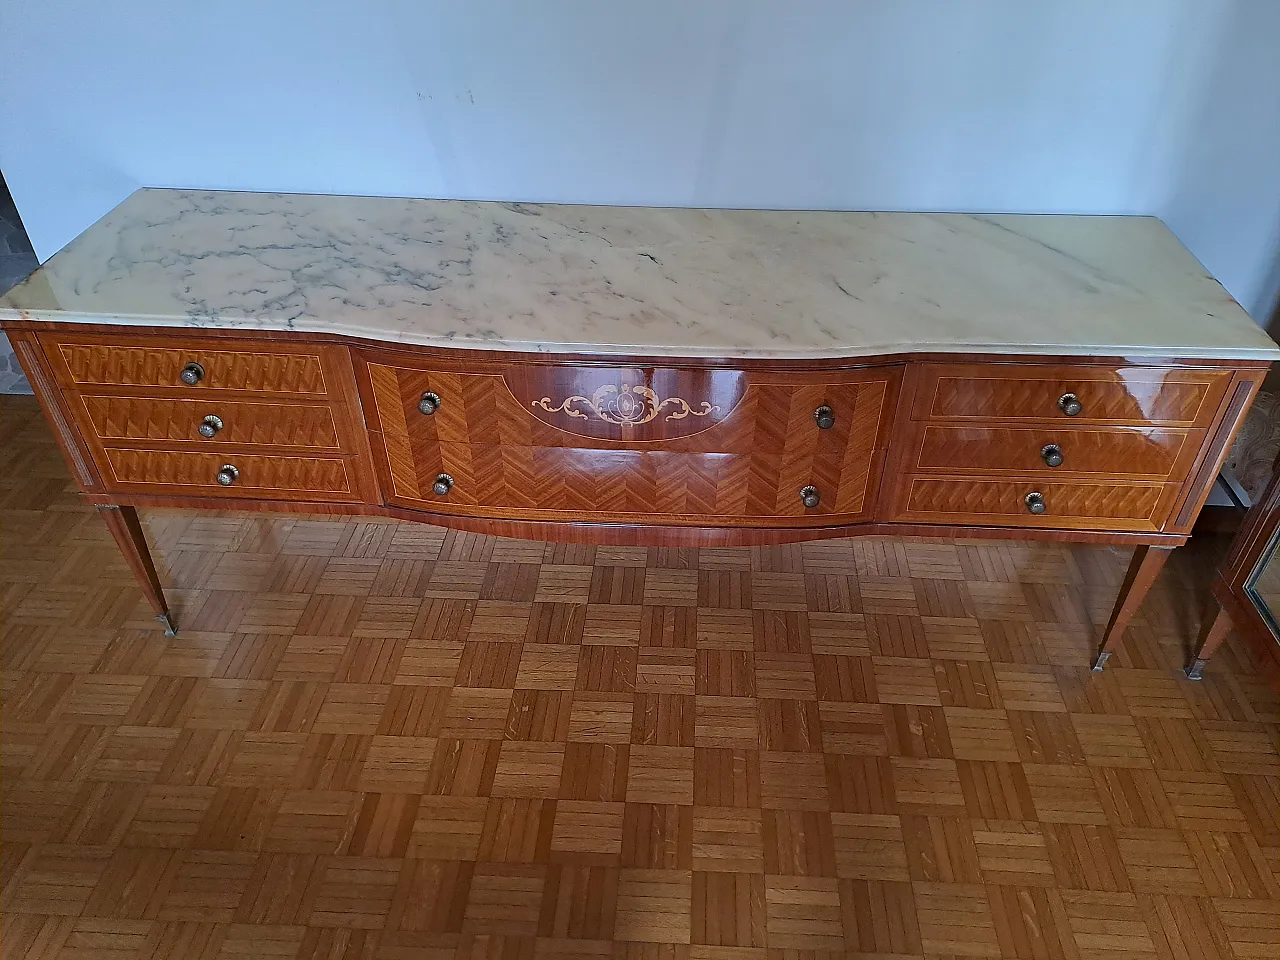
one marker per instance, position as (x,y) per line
(659,445)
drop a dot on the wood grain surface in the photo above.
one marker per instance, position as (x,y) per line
(247,366)
(750,461)
(176,421)
(374,739)
(753,413)
(1080,504)
(270,477)
(1108,393)
(1119,452)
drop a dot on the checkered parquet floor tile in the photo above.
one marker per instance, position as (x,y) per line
(374,739)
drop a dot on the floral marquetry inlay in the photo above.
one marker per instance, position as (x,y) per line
(627,404)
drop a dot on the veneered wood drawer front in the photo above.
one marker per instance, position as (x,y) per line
(292,424)
(260,477)
(227,365)
(1175,396)
(1119,452)
(1069,505)
(672,409)
(636,486)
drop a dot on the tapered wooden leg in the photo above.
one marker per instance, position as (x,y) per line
(1143,568)
(125,527)
(1213,631)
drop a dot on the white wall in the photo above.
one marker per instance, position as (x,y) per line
(1146,106)
(1224,199)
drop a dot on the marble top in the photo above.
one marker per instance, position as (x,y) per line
(674,282)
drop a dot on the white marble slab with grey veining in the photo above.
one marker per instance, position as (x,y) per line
(672,282)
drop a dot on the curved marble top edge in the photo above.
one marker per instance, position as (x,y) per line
(536,278)
(533,348)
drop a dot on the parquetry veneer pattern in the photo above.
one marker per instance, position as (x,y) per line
(759,449)
(273,372)
(379,740)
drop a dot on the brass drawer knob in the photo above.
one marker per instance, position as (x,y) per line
(228,475)
(429,404)
(809,496)
(1070,404)
(1035,503)
(209,426)
(191,374)
(443,484)
(1051,454)
(824,417)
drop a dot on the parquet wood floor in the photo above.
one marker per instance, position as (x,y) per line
(383,740)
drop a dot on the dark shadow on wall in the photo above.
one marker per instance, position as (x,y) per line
(17,260)
(1273,283)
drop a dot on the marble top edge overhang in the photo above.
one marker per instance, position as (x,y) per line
(886,351)
(643,280)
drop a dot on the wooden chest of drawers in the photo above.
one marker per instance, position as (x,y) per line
(645,453)
(730,454)
(665,377)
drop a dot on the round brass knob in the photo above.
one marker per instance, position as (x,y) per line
(1035,503)
(429,404)
(1051,454)
(1070,404)
(443,484)
(824,417)
(209,426)
(228,475)
(191,374)
(809,496)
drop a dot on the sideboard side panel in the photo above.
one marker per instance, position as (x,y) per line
(348,406)
(44,384)
(1230,417)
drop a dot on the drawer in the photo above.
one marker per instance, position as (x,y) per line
(222,364)
(1068,505)
(257,477)
(636,486)
(1119,452)
(1175,396)
(292,424)
(672,409)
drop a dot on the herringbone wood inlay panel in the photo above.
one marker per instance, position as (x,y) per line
(1116,452)
(372,739)
(1107,394)
(751,462)
(1079,504)
(774,414)
(259,475)
(112,419)
(159,366)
